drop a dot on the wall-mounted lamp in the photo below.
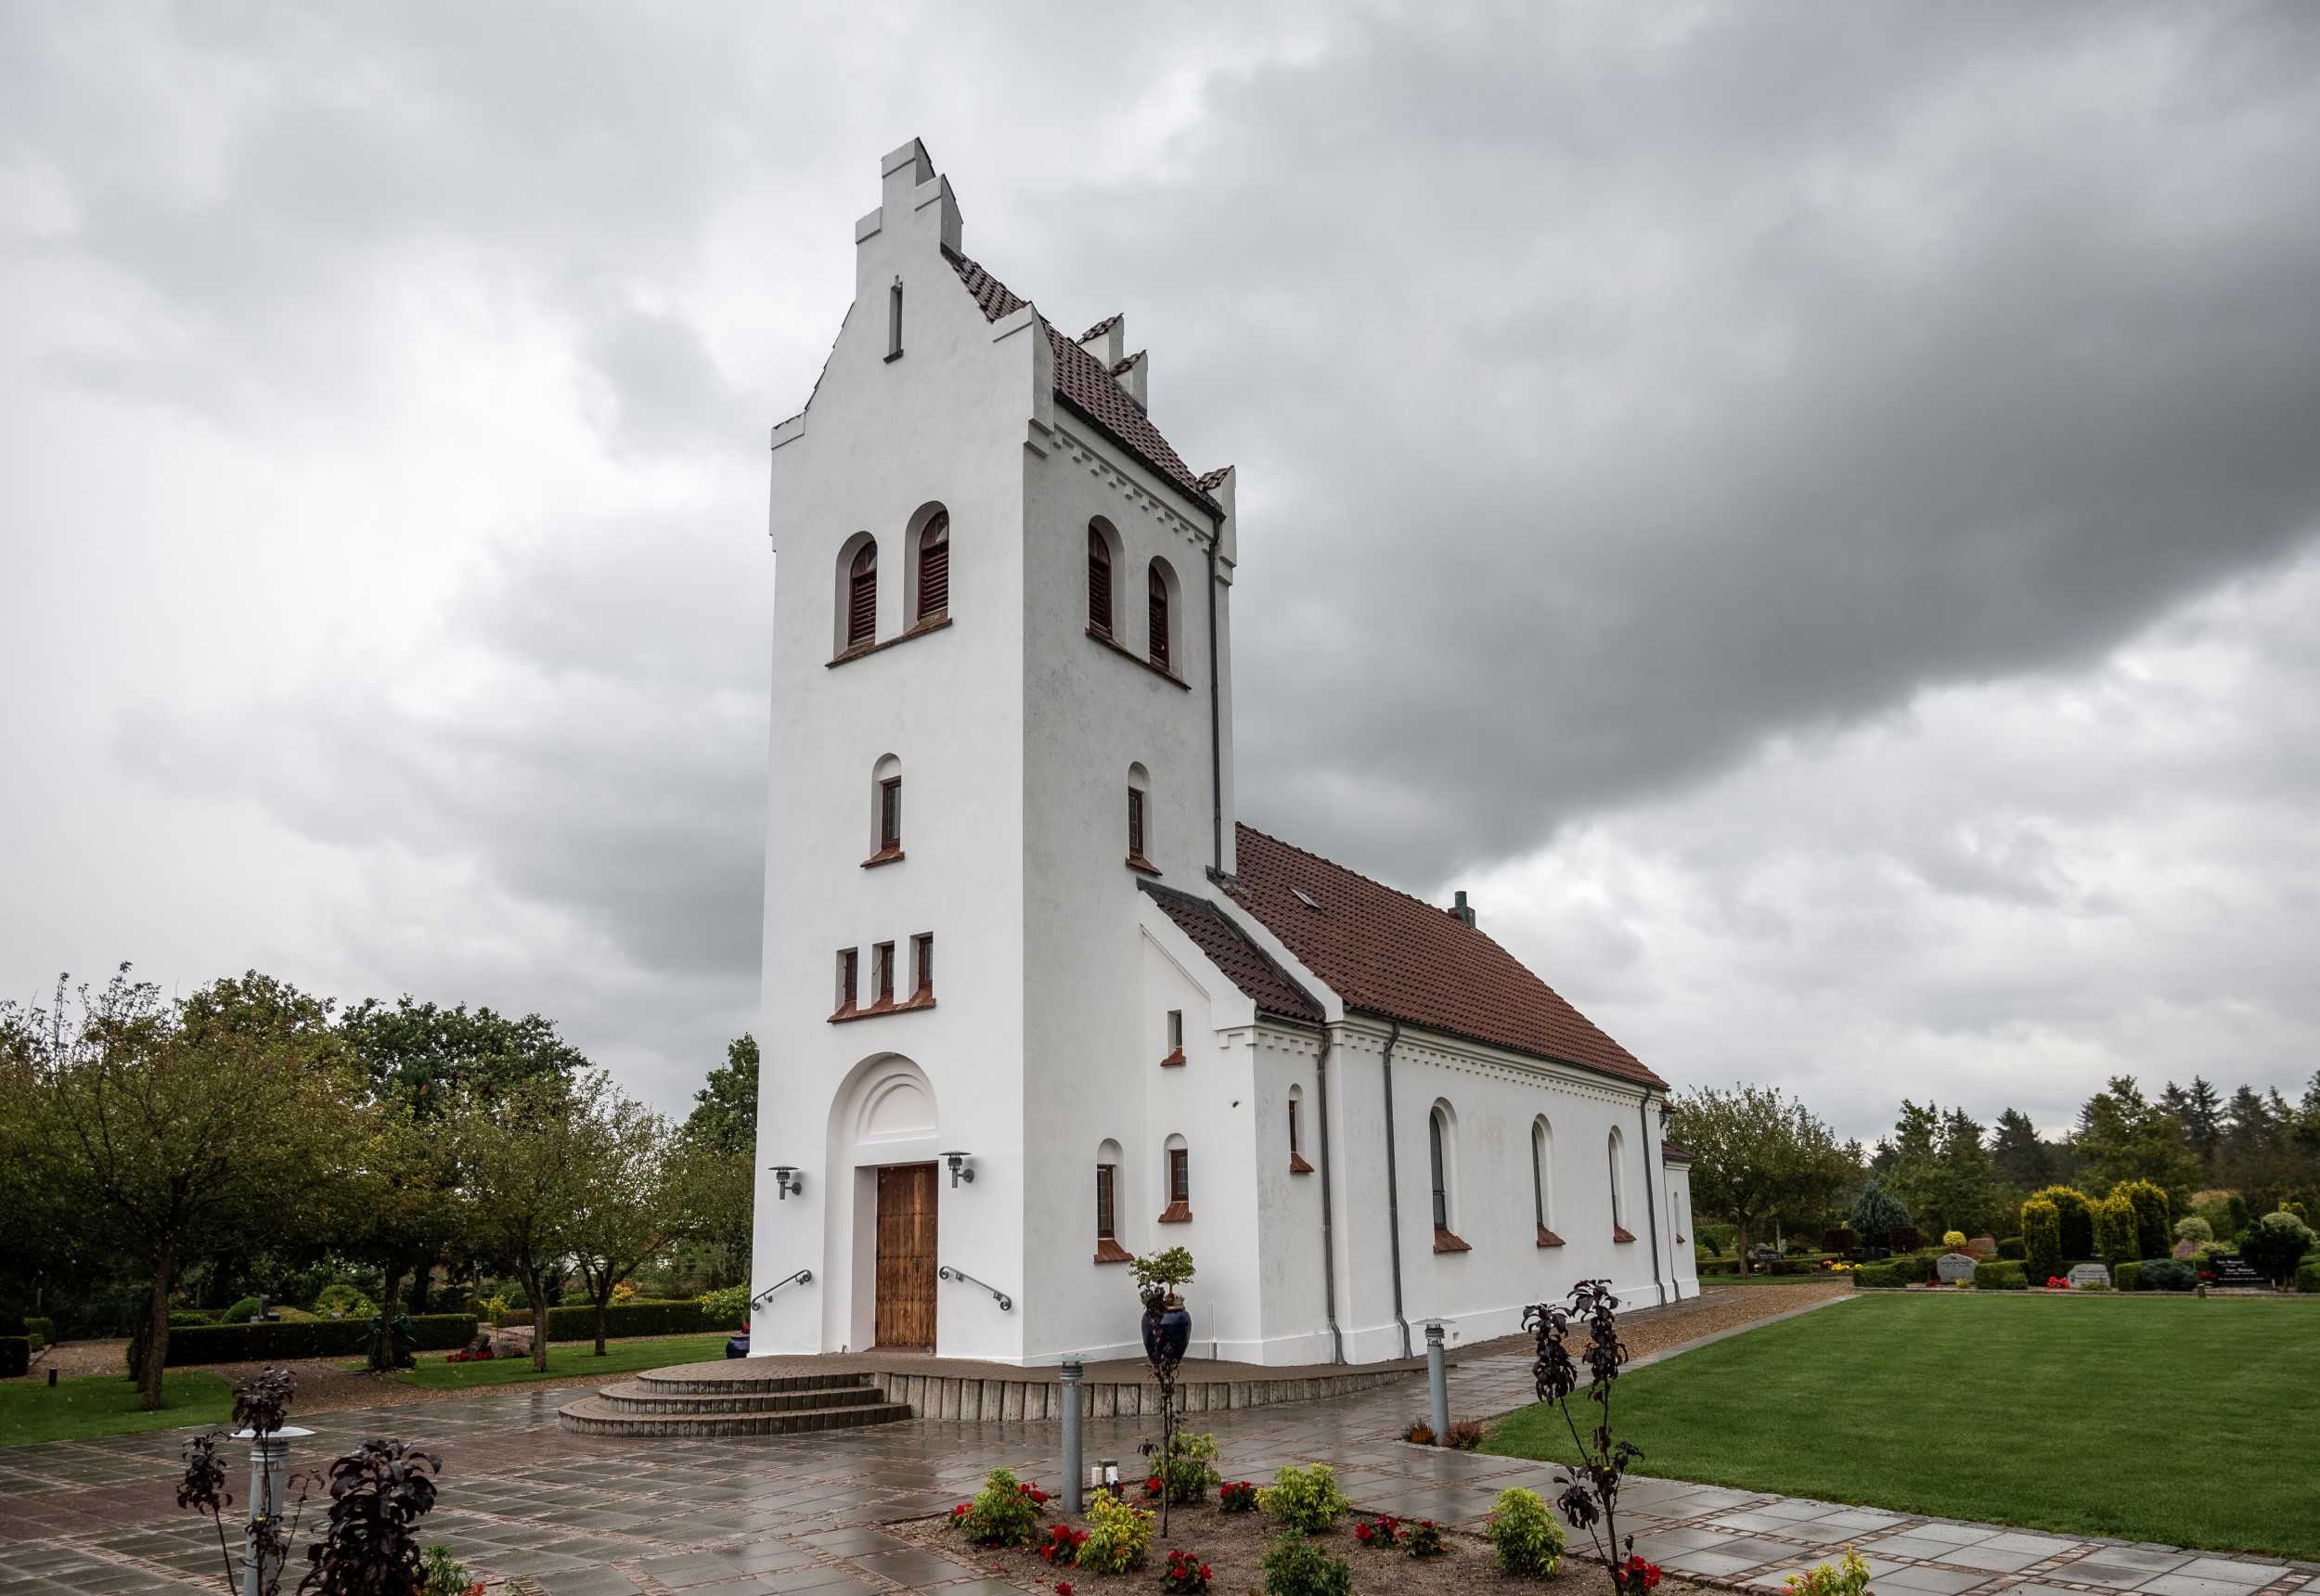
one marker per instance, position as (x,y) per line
(788,1177)
(959,1169)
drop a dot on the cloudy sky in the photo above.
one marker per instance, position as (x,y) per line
(1807,512)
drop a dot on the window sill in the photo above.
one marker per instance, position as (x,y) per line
(1297,1165)
(1174,1060)
(1621,1233)
(917,1000)
(1446,1243)
(1176,1213)
(921,630)
(895,356)
(1143,866)
(1110,1251)
(1162,672)
(883,856)
(1547,1238)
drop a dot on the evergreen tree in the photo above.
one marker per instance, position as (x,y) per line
(2203,1119)
(725,1111)
(2123,1135)
(2020,1156)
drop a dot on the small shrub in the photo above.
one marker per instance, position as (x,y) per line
(379,1492)
(2128,1277)
(1307,1500)
(343,1301)
(2074,1212)
(1876,1275)
(1530,1542)
(440,1574)
(1062,1546)
(2307,1276)
(1424,1539)
(1238,1496)
(1295,1566)
(2191,1228)
(1912,1269)
(2168,1275)
(1190,1468)
(1419,1432)
(1185,1575)
(1999,1276)
(1851,1578)
(2275,1245)
(1465,1435)
(1005,1513)
(1954,1239)
(241,1312)
(2042,1238)
(2010,1248)
(1119,1534)
(2117,1238)
(2151,1206)
(730,1306)
(1378,1532)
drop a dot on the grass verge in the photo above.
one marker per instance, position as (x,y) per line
(90,1405)
(567,1361)
(2066,1415)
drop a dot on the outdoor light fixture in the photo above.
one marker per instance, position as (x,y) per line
(789,1178)
(958,1167)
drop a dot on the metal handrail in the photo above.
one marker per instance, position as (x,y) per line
(802,1277)
(950,1273)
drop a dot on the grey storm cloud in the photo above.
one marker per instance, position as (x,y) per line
(1621,400)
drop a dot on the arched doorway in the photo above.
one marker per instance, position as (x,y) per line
(883,1128)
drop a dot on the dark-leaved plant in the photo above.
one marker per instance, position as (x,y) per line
(261,1407)
(370,1545)
(1591,1494)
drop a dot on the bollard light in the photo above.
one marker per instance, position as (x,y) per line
(269,1459)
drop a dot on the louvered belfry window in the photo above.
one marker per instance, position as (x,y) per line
(1134,823)
(935,568)
(1157,608)
(1099,582)
(861,599)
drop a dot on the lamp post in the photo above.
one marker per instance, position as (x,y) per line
(1073,1475)
(263,1545)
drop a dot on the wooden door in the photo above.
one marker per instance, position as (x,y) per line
(906,1256)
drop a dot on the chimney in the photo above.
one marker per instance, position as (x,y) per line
(1131,374)
(1460,912)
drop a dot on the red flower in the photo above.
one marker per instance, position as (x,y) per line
(1362,1533)
(1062,1587)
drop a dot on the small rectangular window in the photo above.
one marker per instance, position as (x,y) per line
(894,320)
(1297,1132)
(1180,1176)
(849,961)
(890,813)
(1106,1209)
(883,956)
(1175,1030)
(1134,823)
(922,958)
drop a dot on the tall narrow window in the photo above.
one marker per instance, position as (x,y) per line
(890,813)
(1134,823)
(894,320)
(935,569)
(923,960)
(1297,1165)
(849,963)
(861,599)
(883,957)
(1098,581)
(1174,1034)
(1156,614)
(1542,1181)
(1108,1205)
(1434,1150)
(1180,1176)
(1618,1192)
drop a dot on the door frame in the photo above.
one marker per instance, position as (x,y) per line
(934,1190)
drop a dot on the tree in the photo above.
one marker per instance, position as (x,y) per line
(523,1160)
(1755,1153)
(721,1137)
(1877,1213)
(2152,1211)
(2020,1157)
(725,1111)
(2074,1219)
(171,1130)
(636,1195)
(2122,1136)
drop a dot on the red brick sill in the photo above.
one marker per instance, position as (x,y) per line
(1547,1238)
(883,856)
(933,625)
(1446,1243)
(1621,1233)
(1174,1060)
(1297,1165)
(1162,672)
(1176,1213)
(1143,866)
(915,1002)
(1110,1251)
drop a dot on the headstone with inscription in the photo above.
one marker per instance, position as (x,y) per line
(2231,1270)
(1954,1267)
(2089,1275)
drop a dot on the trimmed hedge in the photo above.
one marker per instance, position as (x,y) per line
(2128,1277)
(2308,1275)
(578,1323)
(308,1338)
(1912,1269)
(1870,1275)
(2010,1247)
(2000,1275)
(2169,1275)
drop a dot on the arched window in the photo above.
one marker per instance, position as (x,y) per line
(935,568)
(1441,1145)
(1140,820)
(1108,1248)
(885,811)
(1542,1180)
(1441,1188)
(1177,1159)
(1298,1166)
(1099,580)
(1156,612)
(861,598)
(1618,1153)
(1675,1213)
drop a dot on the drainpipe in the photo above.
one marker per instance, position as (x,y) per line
(1329,1237)
(1216,713)
(1651,1191)
(1393,1188)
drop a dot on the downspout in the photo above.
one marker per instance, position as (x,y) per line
(1216,713)
(1651,1191)
(1329,1236)
(1393,1189)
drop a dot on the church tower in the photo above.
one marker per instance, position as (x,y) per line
(1002,711)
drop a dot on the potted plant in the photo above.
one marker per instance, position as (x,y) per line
(1168,1327)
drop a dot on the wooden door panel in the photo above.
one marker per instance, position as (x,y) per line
(907,1208)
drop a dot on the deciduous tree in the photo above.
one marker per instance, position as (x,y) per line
(1756,1152)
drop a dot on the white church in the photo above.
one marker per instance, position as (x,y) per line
(1034,1000)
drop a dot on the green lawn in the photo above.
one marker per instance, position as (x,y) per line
(2164,1419)
(106,1405)
(566,1360)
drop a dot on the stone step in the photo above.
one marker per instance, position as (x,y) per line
(594,1416)
(643,1397)
(712,1379)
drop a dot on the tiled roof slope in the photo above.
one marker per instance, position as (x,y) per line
(1669,1152)
(1389,954)
(1249,967)
(1083,382)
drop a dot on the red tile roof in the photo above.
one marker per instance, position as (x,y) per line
(1084,384)
(1670,1153)
(1249,967)
(1389,954)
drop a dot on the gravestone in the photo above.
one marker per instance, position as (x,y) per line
(2186,1249)
(2231,1270)
(1953,1267)
(2089,1275)
(1983,1247)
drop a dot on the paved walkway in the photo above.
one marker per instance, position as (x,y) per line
(568,1515)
